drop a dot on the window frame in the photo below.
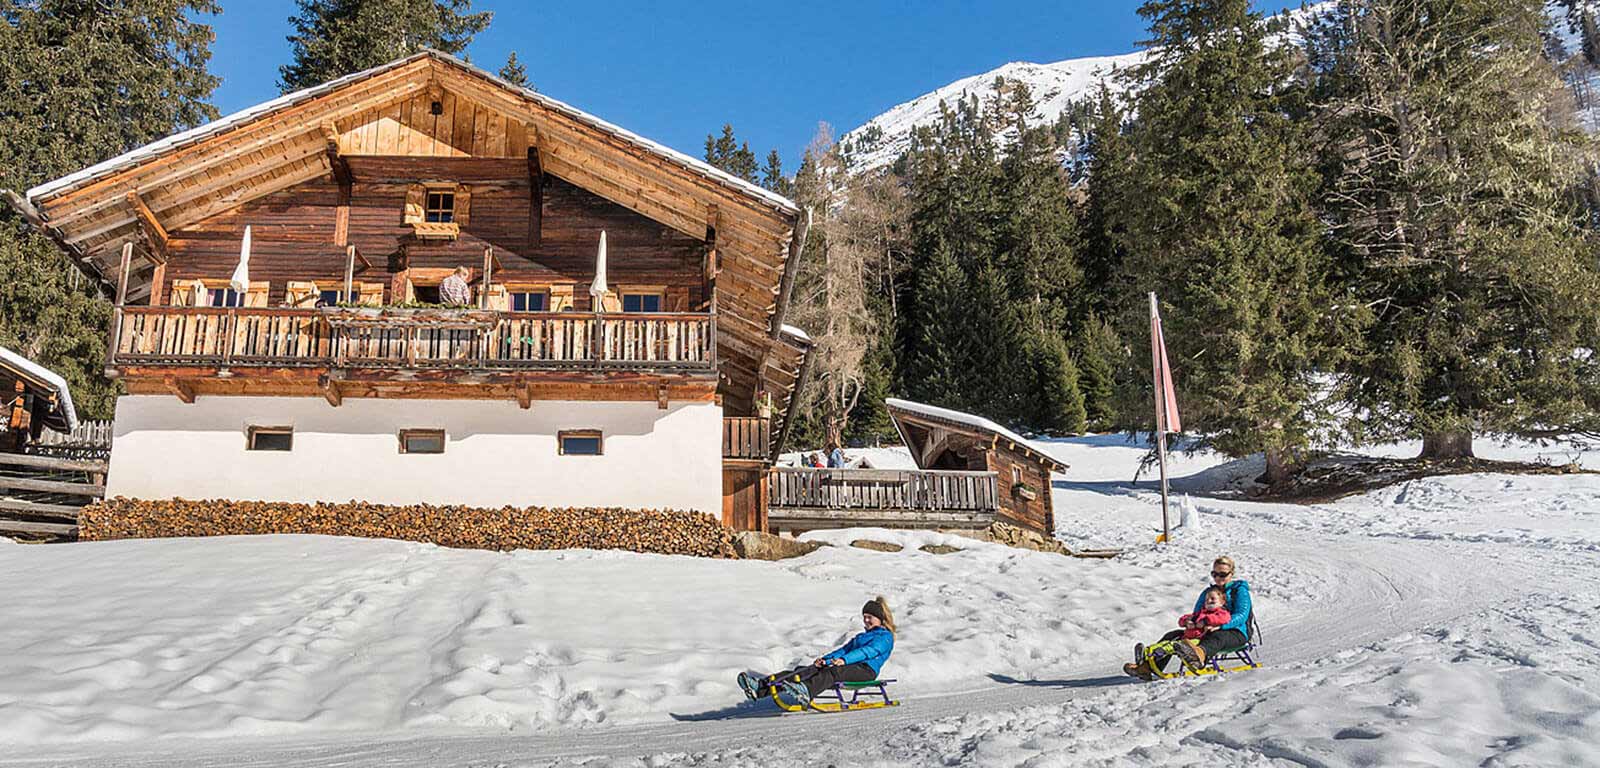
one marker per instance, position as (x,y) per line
(252,431)
(406,434)
(659,295)
(447,207)
(580,434)
(513,292)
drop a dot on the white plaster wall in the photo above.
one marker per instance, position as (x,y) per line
(495,454)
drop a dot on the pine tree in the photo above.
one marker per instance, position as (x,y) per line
(1110,160)
(1059,405)
(729,154)
(1225,232)
(1454,221)
(515,73)
(772,175)
(81,82)
(334,38)
(1097,347)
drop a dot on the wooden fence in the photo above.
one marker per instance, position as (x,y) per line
(40,496)
(475,339)
(803,498)
(87,436)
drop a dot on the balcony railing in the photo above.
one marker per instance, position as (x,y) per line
(803,499)
(746,437)
(414,339)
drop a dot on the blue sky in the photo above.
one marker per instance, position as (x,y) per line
(674,71)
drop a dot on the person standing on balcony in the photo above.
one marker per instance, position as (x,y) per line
(454,291)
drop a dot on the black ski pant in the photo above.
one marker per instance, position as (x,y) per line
(1213,643)
(818,679)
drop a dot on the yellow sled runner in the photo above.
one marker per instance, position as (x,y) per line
(833,699)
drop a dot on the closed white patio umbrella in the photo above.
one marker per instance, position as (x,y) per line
(597,289)
(240,283)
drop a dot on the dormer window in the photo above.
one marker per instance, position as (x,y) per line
(441,207)
(437,211)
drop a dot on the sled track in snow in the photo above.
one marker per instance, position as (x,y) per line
(1395,586)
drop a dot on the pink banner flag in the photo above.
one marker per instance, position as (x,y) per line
(1167,419)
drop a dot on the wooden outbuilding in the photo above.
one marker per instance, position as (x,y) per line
(36,399)
(944,439)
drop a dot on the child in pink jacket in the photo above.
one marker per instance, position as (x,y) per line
(1213,615)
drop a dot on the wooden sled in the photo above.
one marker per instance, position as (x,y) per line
(833,699)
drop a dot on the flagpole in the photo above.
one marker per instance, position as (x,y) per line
(1158,377)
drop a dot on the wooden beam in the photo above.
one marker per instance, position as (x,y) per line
(488,270)
(525,395)
(350,274)
(661,396)
(330,390)
(122,273)
(158,279)
(180,388)
(535,199)
(797,244)
(154,233)
(80,258)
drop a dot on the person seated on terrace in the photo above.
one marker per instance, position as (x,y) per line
(454,291)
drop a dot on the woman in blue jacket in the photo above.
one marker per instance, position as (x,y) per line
(857,661)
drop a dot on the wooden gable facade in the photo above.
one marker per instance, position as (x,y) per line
(939,439)
(331,181)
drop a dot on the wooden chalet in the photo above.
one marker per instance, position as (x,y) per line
(943,439)
(335,374)
(970,473)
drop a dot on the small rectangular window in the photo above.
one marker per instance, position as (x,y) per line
(440,208)
(269,439)
(422,441)
(223,297)
(426,294)
(581,443)
(530,301)
(641,302)
(327,298)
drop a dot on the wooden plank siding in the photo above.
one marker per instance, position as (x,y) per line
(292,235)
(1036,514)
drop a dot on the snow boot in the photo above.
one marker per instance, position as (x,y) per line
(797,692)
(1193,656)
(750,682)
(1138,653)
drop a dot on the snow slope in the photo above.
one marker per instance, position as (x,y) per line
(1054,88)
(1409,630)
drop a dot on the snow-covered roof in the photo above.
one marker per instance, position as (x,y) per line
(49,378)
(969,420)
(193,135)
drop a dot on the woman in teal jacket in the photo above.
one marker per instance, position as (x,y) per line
(857,661)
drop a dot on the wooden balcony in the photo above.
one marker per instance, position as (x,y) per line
(803,498)
(400,339)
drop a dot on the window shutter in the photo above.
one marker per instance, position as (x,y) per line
(499,299)
(610,303)
(186,293)
(371,294)
(463,204)
(561,298)
(257,295)
(300,294)
(416,195)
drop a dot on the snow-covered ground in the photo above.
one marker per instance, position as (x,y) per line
(1444,622)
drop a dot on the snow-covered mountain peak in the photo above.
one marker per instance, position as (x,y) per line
(1053,88)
